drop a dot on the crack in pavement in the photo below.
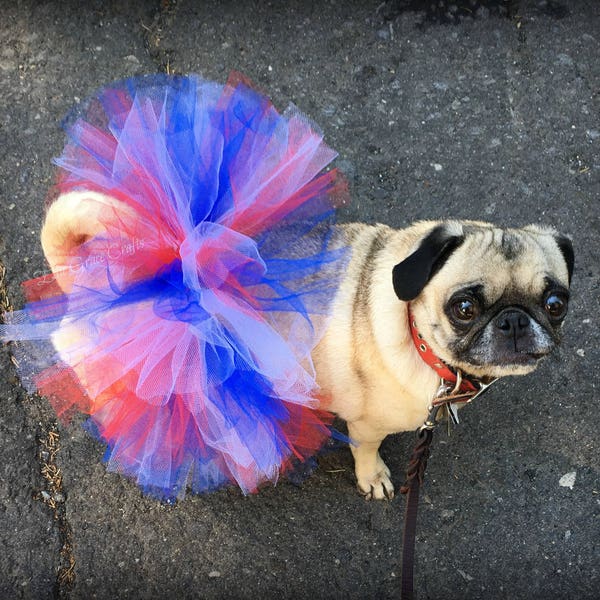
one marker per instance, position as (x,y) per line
(54,497)
(152,36)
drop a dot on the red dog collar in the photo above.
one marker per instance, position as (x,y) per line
(448,375)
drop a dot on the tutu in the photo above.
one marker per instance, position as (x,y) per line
(184,318)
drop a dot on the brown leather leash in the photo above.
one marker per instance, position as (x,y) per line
(414,480)
(415,472)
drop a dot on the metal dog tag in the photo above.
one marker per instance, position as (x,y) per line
(453,413)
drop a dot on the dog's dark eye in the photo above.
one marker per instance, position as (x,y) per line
(464,309)
(556,306)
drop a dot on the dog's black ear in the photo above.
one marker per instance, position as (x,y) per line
(566,247)
(412,274)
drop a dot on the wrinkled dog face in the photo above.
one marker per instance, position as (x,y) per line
(488,301)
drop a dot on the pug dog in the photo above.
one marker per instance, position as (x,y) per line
(488,301)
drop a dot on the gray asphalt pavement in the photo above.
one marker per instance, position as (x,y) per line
(484,110)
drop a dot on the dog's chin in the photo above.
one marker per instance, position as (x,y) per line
(514,363)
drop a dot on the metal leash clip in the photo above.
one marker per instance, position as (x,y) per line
(443,392)
(431,421)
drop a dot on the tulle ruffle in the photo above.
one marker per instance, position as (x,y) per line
(184,327)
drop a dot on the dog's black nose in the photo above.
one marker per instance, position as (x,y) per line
(513,323)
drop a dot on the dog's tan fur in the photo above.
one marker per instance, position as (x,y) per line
(366,364)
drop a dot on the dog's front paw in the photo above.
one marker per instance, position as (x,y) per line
(378,485)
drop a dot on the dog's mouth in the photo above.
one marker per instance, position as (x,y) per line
(495,363)
(506,359)
(531,356)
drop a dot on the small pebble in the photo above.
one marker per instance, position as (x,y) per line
(568,479)
(464,575)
